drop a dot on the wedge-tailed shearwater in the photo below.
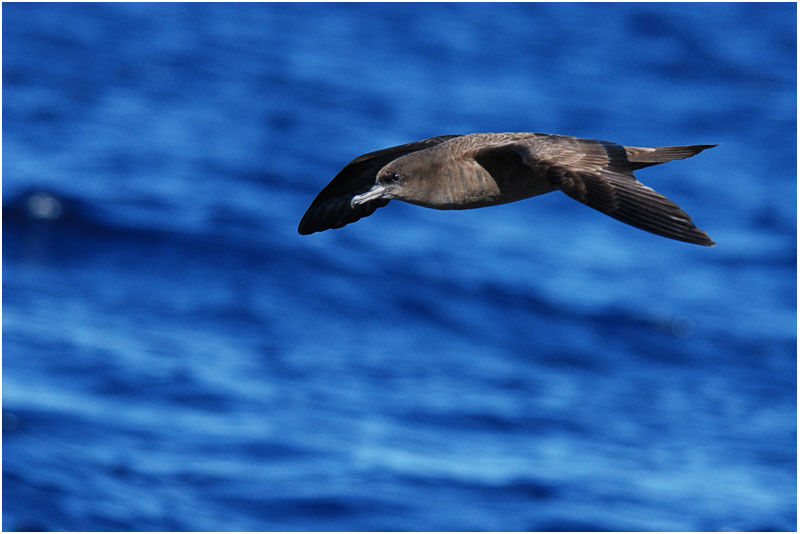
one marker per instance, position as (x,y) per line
(470,171)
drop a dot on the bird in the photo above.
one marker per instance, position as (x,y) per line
(483,169)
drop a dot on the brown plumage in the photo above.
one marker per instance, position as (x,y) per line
(470,171)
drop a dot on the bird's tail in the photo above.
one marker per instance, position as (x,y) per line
(641,157)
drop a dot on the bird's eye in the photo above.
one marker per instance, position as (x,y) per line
(394,177)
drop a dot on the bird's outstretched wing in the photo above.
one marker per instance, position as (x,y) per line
(331,208)
(600,175)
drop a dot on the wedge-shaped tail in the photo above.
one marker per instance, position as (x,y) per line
(641,157)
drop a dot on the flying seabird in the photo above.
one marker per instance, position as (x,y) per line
(483,169)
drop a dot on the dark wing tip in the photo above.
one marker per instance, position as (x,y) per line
(699,237)
(335,213)
(304,228)
(706,240)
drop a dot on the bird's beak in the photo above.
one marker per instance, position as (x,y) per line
(377,191)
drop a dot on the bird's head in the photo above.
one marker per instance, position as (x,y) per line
(401,179)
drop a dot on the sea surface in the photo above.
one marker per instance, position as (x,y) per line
(177,357)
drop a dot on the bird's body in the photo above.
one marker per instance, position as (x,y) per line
(476,170)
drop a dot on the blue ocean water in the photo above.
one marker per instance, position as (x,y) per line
(177,357)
